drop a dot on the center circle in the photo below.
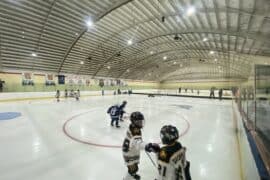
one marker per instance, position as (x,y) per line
(94,129)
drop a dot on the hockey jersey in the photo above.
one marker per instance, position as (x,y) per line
(172,164)
(132,145)
(114,111)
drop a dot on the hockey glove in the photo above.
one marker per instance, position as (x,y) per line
(152,147)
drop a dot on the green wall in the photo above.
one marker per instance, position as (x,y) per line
(13,83)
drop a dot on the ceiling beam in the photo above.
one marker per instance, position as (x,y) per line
(84,30)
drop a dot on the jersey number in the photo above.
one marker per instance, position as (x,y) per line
(125,146)
(113,111)
(162,170)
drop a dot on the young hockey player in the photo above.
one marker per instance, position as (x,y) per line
(132,145)
(57,95)
(114,112)
(172,163)
(122,106)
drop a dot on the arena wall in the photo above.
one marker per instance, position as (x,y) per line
(13,83)
(248,165)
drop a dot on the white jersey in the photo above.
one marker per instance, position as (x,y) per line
(132,145)
(172,163)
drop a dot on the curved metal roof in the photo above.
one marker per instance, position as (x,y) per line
(135,39)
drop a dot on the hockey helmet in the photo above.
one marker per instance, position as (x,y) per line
(169,134)
(124,102)
(137,119)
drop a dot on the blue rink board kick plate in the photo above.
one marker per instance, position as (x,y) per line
(9,115)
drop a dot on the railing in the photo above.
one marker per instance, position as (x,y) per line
(252,117)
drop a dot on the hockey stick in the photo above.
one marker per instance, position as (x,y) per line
(154,164)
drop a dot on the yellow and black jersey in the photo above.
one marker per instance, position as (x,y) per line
(172,162)
(167,152)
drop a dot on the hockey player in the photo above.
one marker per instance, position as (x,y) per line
(172,163)
(66,93)
(57,95)
(79,93)
(114,112)
(77,97)
(122,106)
(132,145)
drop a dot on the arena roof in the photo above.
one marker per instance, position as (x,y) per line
(135,39)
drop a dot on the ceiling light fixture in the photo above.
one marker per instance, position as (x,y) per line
(89,23)
(151,52)
(109,67)
(211,52)
(81,62)
(216,60)
(191,10)
(129,42)
(165,57)
(205,39)
(176,38)
(118,54)
(163,18)
(34,54)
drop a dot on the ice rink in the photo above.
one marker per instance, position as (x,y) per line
(73,140)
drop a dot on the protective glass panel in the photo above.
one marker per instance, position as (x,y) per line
(262,83)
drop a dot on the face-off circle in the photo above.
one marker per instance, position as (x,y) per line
(94,128)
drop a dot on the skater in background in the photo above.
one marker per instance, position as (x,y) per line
(212,92)
(66,93)
(122,107)
(198,92)
(57,95)
(179,90)
(133,144)
(79,93)
(118,91)
(114,112)
(71,93)
(172,163)
(1,85)
(220,93)
(76,95)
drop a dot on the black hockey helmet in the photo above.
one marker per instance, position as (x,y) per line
(137,119)
(124,102)
(169,134)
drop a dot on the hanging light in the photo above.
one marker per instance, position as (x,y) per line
(130,42)
(89,23)
(191,10)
